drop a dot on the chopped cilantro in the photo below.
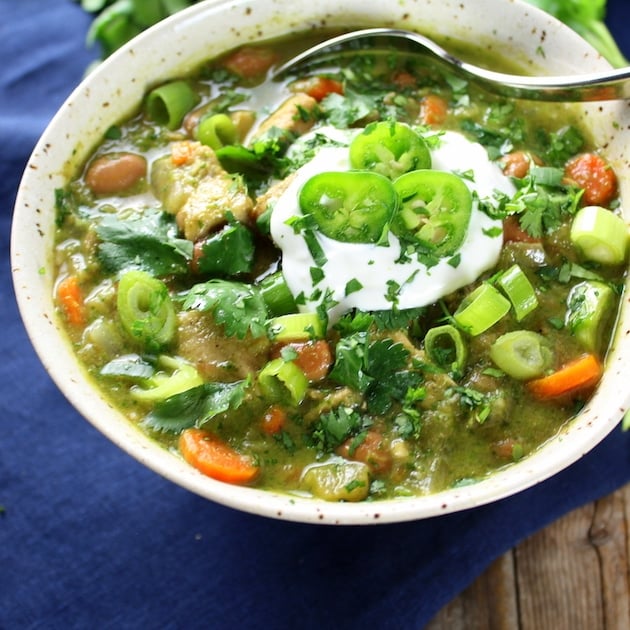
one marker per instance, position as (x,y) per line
(344,110)
(146,241)
(64,205)
(238,306)
(196,406)
(228,252)
(333,428)
(353,286)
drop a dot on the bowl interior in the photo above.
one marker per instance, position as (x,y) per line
(116,87)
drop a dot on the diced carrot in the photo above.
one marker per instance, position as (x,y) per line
(318,87)
(274,420)
(433,109)
(70,299)
(181,153)
(579,374)
(213,457)
(372,450)
(314,357)
(404,79)
(249,62)
(592,173)
(512,231)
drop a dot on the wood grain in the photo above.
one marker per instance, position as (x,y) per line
(573,575)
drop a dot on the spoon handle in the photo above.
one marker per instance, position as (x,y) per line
(597,86)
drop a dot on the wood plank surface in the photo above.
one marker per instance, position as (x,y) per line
(573,575)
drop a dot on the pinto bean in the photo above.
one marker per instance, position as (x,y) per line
(115,173)
(517,163)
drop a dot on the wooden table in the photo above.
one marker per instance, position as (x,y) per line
(573,575)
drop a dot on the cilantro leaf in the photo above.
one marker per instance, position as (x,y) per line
(343,111)
(333,428)
(351,362)
(196,406)
(145,241)
(228,252)
(541,201)
(238,306)
(398,319)
(387,364)
(377,369)
(559,146)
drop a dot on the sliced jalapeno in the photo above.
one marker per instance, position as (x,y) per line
(390,149)
(435,208)
(352,207)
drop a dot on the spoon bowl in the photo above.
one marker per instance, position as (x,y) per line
(598,86)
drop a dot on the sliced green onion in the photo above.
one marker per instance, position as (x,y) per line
(519,291)
(216,131)
(480,310)
(590,307)
(178,377)
(147,12)
(145,309)
(276,294)
(522,354)
(296,327)
(337,480)
(600,235)
(168,104)
(281,379)
(445,347)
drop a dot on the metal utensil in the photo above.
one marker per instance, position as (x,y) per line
(598,86)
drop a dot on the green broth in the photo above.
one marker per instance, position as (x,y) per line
(419,425)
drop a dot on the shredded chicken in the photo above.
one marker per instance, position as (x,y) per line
(289,116)
(192,185)
(217,357)
(271,195)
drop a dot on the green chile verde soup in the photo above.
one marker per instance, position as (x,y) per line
(366,280)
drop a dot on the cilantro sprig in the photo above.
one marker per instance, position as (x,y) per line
(239,307)
(196,406)
(146,241)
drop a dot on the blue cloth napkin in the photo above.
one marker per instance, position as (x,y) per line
(89,538)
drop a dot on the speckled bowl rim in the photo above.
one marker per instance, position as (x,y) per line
(179,44)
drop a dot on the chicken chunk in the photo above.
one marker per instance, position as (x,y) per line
(271,195)
(192,185)
(217,357)
(289,116)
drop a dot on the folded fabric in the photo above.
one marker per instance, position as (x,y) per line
(89,538)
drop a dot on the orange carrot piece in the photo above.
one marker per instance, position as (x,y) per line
(181,153)
(213,457)
(404,79)
(592,173)
(71,300)
(274,419)
(579,374)
(249,62)
(314,357)
(318,87)
(433,109)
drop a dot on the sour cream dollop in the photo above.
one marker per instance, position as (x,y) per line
(377,268)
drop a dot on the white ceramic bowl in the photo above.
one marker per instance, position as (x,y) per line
(510,28)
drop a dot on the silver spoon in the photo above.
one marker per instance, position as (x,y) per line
(598,86)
